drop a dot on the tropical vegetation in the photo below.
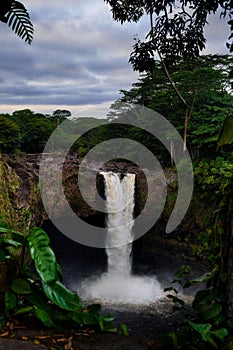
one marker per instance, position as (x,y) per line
(194,93)
(35,287)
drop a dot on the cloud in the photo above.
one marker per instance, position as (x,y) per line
(79,56)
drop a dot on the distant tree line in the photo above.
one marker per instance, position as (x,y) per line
(203,81)
(27,131)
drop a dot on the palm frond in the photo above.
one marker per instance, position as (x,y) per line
(19,20)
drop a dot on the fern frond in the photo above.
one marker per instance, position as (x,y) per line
(19,20)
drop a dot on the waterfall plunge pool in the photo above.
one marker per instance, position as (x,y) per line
(114,274)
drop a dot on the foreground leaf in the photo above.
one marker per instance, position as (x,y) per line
(62,297)
(213,311)
(20,286)
(43,256)
(205,331)
(24,310)
(44,316)
(221,333)
(203,278)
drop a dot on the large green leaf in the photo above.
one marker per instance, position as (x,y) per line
(15,236)
(10,242)
(59,272)
(45,262)
(77,317)
(62,297)
(24,310)
(90,318)
(202,301)
(43,256)
(214,310)
(38,237)
(221,333)
(226,133)
(4,229)
(203,278)
(20,286)
(44,316)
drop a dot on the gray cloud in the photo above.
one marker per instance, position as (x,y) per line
(79,55)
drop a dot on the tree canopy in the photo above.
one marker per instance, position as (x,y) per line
(203,82)
(27,131)
(176,29)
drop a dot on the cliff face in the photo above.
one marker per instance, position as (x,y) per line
(20,205)
(20,201)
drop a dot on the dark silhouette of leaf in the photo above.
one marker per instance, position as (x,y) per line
(5,7)
(19,20)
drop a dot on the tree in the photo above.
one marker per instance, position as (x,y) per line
(203,82)
(35,130)
(174,31)
(60,115)
(9,134)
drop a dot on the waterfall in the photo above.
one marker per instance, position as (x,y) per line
(120,207)
(118,284)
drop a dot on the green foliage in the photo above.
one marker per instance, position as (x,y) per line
(35,130)
(215,177)
(174,30)
(203,82)
(29,132)
(62,297)
(9,135)
(207,334)
(43,255)
(226,133)
(208,326)
(181,278)
(44,296)
(60,115)
(208,307)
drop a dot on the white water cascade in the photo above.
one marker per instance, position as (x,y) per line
(120,207)
(118,284)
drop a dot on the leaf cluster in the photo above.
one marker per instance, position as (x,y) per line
(206,326)
(43,293)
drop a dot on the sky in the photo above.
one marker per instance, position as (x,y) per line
(78,58)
